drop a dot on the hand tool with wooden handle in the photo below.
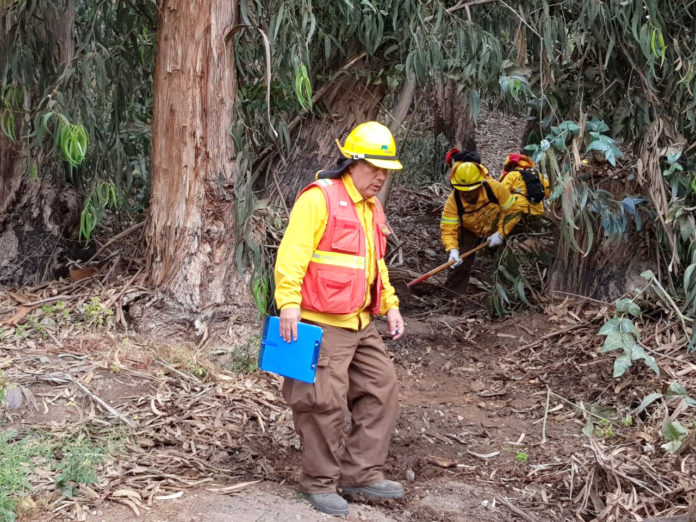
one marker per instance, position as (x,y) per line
(440,268)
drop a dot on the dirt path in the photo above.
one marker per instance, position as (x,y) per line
(490,428)
(264,501)
(464,422)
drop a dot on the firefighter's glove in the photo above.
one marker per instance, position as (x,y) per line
(495,240)
(454,256)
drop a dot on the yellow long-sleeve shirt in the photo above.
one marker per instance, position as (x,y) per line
(514,182)
(305,229)
(483,218)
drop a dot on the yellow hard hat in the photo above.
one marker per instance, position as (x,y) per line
(372,142)
(466,176)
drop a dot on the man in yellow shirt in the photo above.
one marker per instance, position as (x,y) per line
(479,207)
(330,271)
(526,184)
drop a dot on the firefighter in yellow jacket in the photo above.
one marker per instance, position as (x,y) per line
(330,271)
(479,207)
(526,184)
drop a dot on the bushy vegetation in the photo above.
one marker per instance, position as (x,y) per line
(72,461)
(597,79)
(77,95)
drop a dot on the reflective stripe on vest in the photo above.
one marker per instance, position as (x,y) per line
(335,281)
(338,259)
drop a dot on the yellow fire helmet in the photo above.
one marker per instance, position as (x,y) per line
(371,141)
(466,176)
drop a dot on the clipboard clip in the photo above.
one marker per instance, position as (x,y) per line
(315,358)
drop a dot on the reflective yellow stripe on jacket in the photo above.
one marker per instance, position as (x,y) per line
(510,201)
(482,218)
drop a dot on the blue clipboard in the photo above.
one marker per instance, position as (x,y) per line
(297,359)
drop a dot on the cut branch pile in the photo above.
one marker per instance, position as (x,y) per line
(622,471)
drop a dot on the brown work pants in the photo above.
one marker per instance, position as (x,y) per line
(458,278)
(354,372)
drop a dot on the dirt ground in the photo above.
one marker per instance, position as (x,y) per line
(490,427)
(466,412)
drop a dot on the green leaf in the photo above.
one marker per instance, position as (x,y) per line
(596,126)
(648,275)
(621,364)
(622,305)
(676,389)
(692,343)
(611,326)
(673,430)
(312,28)
(569,126)
(502,293)
(303,87)
(671,447)
(614,341)
(276,23)
(7,125)
(588,428)
(475,104)
(627,326)
(690,285)
(519,287)
(638,354)
(647,401)
(634,309)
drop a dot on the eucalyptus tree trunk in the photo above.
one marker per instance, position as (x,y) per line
(35,217)
(398,116)
(38,214)
(191,234)
(454,119)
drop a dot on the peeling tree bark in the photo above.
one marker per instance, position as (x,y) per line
(191,238)
(347,104)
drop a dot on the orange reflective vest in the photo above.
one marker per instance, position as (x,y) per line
(336,277)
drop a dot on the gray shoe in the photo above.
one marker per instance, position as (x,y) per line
(330,503)
(381,489)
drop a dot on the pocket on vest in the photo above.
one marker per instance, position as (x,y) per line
(335,291)
(346,236)
(328,290)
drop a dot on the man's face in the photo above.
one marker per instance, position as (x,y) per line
(470,196)
(367,178)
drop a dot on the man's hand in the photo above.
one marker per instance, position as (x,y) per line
(289,317)
(495,239)
(395,323)
(454,256)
